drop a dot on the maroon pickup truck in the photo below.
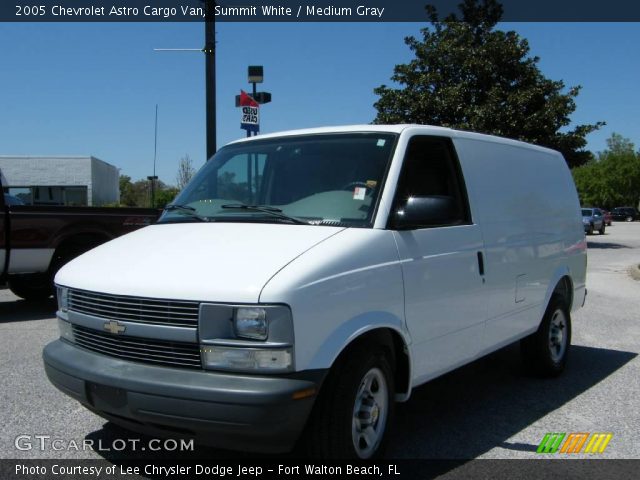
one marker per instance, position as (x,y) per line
(35,241)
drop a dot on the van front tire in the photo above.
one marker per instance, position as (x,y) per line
(545,352)
(355,408)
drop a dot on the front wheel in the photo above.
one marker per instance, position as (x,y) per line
(545,352)
(601,231)
(629,219)
(354,410)
(590,229)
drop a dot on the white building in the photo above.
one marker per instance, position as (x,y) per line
(60,180)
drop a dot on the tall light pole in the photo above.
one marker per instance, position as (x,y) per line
(210,76)
(154,177)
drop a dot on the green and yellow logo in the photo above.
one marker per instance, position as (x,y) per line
(573,442)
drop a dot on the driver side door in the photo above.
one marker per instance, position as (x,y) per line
(442,264)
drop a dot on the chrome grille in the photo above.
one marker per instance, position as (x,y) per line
(157,352)
(134,309)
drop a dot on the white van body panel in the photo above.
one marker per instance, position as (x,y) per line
(526,204)
(209,262)
(438,264)
(343,287)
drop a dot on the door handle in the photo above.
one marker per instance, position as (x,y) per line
(480,263)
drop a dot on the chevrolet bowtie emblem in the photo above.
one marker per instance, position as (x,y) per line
(114,327)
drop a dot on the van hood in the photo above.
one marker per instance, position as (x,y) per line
(212,262)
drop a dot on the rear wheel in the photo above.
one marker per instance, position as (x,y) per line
(354,410)
(545,352)
(629,219)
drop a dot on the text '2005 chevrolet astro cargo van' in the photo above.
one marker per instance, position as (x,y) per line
(308,280)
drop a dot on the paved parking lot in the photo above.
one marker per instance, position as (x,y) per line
(486,410)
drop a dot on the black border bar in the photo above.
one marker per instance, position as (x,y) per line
(290,469)
(305,10)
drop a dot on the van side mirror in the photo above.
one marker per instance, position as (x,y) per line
(426,211)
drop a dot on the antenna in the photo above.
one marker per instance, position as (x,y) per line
(177,50)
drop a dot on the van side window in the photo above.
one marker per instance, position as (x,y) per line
(431,175)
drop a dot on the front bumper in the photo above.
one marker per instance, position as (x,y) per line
(233,411)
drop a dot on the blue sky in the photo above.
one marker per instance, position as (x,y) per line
(91,88)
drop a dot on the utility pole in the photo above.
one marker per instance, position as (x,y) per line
(210,77)
(154,177)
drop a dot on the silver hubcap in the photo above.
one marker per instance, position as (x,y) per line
(370,413)
(558,336)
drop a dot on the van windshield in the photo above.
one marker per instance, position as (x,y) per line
(322,179)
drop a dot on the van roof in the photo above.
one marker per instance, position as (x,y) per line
(424,129)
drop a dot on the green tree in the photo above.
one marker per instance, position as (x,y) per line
(134,194)
(469,75)
(126,191)
(613,180)
(165,196)
(618,145)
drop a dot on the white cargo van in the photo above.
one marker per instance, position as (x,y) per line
(308,280)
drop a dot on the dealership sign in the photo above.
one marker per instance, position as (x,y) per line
(250,119)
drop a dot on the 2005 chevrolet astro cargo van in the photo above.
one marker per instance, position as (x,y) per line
(308,280)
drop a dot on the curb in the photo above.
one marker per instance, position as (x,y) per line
(634,271)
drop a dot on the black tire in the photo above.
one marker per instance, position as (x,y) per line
(545,352)
(590,231)
(629,219)
(33,287)
(331,431)
(602,228)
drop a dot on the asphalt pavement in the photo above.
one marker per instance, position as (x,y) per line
(489,409)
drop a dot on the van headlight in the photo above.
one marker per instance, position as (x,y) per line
(62,294)
(243,359)
(246,338)
(251,322)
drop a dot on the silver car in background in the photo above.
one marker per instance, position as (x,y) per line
(593,219)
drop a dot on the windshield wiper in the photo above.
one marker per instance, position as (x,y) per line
(186,209)
(274,211)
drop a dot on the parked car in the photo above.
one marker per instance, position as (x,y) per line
(311,289)
(625,214)
(35,241)
(607,217)
(593,219)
